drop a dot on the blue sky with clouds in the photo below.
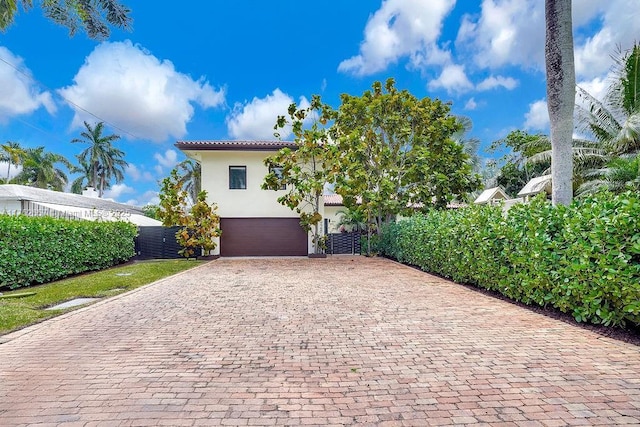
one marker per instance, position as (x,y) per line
(227,69)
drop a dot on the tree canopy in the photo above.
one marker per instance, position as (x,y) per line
(397,153)
(91,16)
(304,172)
(100,162)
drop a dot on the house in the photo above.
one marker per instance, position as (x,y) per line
(492,196)
(252,221)
(20,199)
(333,207)
(536,186)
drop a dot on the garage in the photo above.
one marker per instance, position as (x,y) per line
(262,237)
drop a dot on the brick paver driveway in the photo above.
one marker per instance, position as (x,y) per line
(319,342)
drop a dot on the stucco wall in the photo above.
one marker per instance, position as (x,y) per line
(246,203)
(10,206)
(251,202)
(331,213)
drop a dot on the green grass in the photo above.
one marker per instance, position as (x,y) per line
(18,312)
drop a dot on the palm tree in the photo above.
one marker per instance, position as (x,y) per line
(101,161)
(91,16)
(39,169)
(81,182)
(469,145)
(191,178)
(353,220)
(620,174)
(614,122)
(11,152)
(561,83)
(613,125)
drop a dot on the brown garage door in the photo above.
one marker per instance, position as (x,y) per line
(262,237)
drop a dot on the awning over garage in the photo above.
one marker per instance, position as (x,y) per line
(262,237)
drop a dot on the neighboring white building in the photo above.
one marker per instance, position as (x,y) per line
(333,207)
(492,196)
(20,199)
(536,186)
(252,221)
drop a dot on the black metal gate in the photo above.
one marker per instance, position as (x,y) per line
(343,243)
(157,242)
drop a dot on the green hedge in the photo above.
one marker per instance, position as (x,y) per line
(583,259)
(41,249)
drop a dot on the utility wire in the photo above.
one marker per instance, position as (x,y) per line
(68,100)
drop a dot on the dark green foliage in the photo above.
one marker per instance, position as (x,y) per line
(583,259)
(41,249)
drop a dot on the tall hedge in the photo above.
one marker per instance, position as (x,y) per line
(41,249)
(583,259)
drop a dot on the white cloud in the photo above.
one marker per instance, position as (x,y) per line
(256,119)
(507,32)
(453,79)
(471,104)
(117,190)
(147,198)
(129,87)
(137,174)
(18,93)
(597,87)
(11,169)
(619,28)
(493,82)
(400,28)
(511,32)
(167,160)
(537,118)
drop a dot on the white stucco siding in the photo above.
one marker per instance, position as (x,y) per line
(332,214)
(10,206)
(236,203)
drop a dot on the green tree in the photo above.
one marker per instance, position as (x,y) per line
(199,228)
(561,83)
(397,154)
(173,200)
(91,16)
(12,153)
(200,224)
(86,172)
(307,169)
(516,168)
(151,211)
(614,122)
(40,169)
(470,145)
(191,178)
(101,162)
(619,175)
(353,220)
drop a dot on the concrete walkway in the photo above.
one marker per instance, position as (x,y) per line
(341,341)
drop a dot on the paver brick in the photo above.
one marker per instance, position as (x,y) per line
(294,341)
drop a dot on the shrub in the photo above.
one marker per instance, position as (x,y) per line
(41,249)
(583,259)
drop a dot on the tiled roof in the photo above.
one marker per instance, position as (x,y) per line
(22,192)
(332,200)
(234,145)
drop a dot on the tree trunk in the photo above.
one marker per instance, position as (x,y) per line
(561,83)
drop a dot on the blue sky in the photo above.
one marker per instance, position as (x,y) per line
(226,69)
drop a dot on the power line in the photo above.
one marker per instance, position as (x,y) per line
(68,100)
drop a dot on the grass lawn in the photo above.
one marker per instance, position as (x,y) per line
(16,313)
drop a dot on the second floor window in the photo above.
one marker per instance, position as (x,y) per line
(237,177)
(277,170)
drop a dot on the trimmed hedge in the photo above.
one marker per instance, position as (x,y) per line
(583,259)
(42,249)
